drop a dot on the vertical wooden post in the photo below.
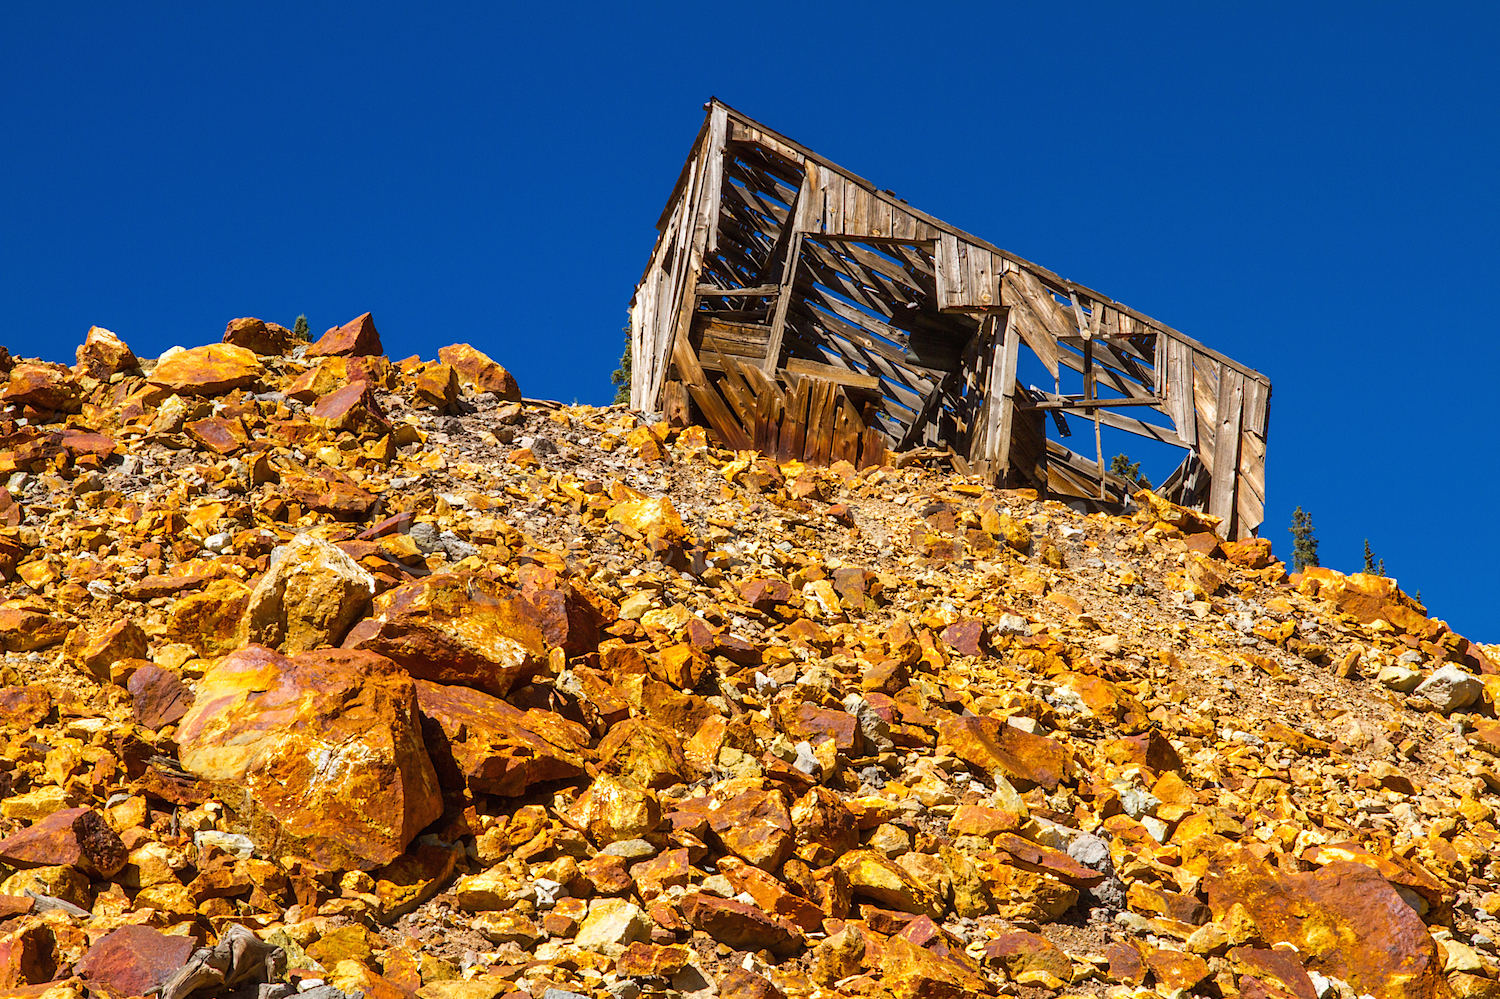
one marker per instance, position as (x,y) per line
(1000,396)
(783,302)
(1223,485)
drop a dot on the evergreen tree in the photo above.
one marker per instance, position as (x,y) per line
(1122,466)
(300,329)
(621,377)
(1369,559)
(1304,545)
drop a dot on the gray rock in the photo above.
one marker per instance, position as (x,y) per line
(875,729)
(1092,852)
(1450,689)
(562,994)
(630,849)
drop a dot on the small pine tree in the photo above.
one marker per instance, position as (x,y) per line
(621,378)
(1380,569)
(1122,466)
(1304,545)
(1369,559)
(300,330)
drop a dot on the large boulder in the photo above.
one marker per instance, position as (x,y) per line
(456,627)
(263,338)
(43,386)
(477,371)
(1345,920)
(211,370)
(320,755)
(492,747)
(355,338)
(308,598)
(103,354)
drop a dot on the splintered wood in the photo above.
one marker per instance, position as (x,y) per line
(795,309)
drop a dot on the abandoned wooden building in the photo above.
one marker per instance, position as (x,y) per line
(794,308)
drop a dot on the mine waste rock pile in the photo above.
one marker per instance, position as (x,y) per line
(332,674)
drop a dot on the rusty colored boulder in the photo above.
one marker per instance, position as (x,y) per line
(990,744)
(103,354)
(158,697)
(320,754)
(266,339)
(741,926)
(1345,920)
(78,837)
(333,373)
(357,337)
(491,747)
(133,960)
(436,387)
(43,386)
(309,597)
(455,628)
(477,370)
(351,409)
(212,370)
(756,826)
(209,620)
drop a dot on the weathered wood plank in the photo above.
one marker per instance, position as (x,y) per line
(1221,496)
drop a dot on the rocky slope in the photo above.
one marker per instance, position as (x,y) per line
(329,673)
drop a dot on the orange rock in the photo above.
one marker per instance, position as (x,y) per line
(436,387)
(261,337)
(357,337)
(352,408)
(1345,920)
(741,926)
(644,960)
(755,826)
(122,640)
(825,828)
(645,753)
(333,373)
(990,744)
(1367,596)
(476,369)
(218,434)
(43,386)
(212,370)
(876,877)
(611,810)
(103,354)
(455,628)
(134,960)
(24,706)
(25,627)
(771,895)
(1252,553)
(1108,701)
(979,820)
(209,621)
(320,754)
(481,742)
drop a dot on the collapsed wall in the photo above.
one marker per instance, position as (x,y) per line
(793,308)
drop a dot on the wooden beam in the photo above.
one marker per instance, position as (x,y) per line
(759,291)
(843,376)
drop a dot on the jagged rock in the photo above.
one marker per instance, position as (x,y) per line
(357,337)
(103,354)
(352,408)
(319,754)
(212,370)
(477,371)
(481,742)
(1345,920)
(308,599)
(611,925)
(134,960)
(455,628)
(43,386)
(266,339)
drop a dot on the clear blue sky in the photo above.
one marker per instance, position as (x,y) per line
(1309,188)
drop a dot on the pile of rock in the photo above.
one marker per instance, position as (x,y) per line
(329,673)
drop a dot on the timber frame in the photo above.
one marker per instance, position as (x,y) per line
(796,309)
